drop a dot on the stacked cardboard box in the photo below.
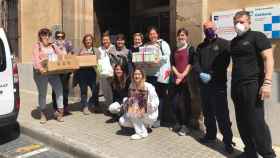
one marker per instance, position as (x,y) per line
(60,64)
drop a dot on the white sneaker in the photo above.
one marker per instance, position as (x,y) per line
(136,137)
(145,135)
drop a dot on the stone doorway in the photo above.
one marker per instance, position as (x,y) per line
(130,16)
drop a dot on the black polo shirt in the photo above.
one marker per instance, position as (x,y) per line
(212,56)
(246,52)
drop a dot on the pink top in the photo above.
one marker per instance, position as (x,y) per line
(39,54)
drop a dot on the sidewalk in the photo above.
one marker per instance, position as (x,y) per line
(91,136)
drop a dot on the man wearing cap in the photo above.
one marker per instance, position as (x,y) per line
(253,62)
(211,62)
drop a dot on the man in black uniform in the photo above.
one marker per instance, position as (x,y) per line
(251,83)
(211,62)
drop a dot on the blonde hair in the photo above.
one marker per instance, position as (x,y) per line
(138,34)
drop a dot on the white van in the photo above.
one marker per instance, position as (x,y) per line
(9,84)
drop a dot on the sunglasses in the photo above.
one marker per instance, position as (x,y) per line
(60,37)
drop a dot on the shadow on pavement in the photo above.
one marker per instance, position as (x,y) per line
(9,133)
(218,146)
(125,131)
(35,113)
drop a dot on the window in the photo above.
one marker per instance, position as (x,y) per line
(2,57)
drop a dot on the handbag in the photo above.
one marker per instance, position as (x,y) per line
(164,71)
(104,67)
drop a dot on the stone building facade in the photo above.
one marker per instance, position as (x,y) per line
(23,18)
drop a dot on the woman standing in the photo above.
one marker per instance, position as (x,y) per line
(137,43)
(121,51)
(87,77)
(158,72)
(120,85)
(43,50)
(106,60)
(141,107)
(64,45)
(181,61)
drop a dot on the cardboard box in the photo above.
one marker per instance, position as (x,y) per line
(87,60)
(63,64)
(144,57)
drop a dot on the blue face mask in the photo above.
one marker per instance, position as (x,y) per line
(209,33)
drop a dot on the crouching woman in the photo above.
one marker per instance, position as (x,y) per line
(141,106)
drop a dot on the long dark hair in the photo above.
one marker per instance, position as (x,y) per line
(119,83)
(150,29)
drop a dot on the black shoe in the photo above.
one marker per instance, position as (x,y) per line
(229,149)
(176,128)
(150,130)
(247,155)
(242,155)
(206,140)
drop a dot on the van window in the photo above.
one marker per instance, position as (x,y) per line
(2,56)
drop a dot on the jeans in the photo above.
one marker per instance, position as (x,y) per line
(64,78)
(93,100)
(87,78)
(41,82)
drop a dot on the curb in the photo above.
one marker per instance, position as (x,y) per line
(62,143)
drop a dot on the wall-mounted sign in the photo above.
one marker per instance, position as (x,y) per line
(224,23)
(266,19)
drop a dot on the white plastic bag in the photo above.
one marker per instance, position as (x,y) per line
(105,67)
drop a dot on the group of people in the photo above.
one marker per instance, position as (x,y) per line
(135,93)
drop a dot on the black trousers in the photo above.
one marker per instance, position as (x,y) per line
(65,85)
(181,103)
(215,109)
(162,91)
(249,109)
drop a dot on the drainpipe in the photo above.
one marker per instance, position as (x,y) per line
(62,5)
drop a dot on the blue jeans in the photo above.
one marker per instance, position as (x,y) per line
(87,78)
(41,82)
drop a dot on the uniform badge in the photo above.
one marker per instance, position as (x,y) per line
(246,43)
(216,48)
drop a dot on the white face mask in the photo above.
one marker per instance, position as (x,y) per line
(240,29)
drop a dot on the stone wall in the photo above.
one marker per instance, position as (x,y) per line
(74,16)
(77,19)
(189,14)
(34,15)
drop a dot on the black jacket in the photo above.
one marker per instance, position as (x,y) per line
(213,57)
